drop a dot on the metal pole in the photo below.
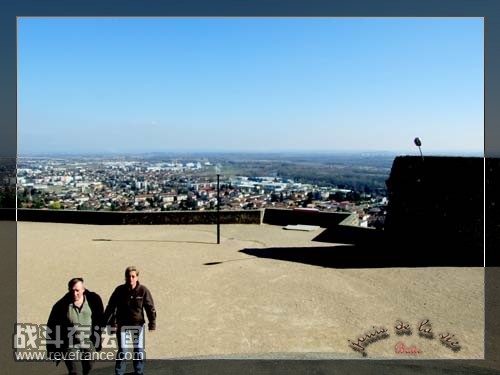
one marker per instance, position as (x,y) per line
(218,211)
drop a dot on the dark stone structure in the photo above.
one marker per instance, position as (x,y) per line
(435,217)
(436,207)
(492,211)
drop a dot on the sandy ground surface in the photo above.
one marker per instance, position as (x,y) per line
(245,306)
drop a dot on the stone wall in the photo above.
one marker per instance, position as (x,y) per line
(271,216)
(118,218)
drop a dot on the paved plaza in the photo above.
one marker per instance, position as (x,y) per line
(218,301)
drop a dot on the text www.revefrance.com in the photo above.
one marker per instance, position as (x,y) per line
(73,356)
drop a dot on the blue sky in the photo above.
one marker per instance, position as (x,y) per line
(250,84)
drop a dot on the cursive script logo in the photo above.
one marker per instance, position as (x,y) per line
(425,329)
(404,328)
(368,338)
(449,341)
(402,349)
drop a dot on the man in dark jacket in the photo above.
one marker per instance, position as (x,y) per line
(74,328)
(125,310)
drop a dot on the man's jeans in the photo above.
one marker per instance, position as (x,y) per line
(130,337)
(79,360)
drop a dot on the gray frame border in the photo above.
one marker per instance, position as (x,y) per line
(257,8)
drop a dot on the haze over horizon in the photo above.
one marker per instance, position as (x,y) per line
(409,151)
(180,85)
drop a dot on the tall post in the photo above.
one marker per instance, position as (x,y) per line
(418,143)
(421,155)
(218,211)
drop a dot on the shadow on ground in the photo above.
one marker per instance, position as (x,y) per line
(350,256)
(109,240)
(362,248)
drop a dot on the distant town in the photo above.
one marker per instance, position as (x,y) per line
(190,183)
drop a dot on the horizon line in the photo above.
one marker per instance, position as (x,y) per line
(296,151)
